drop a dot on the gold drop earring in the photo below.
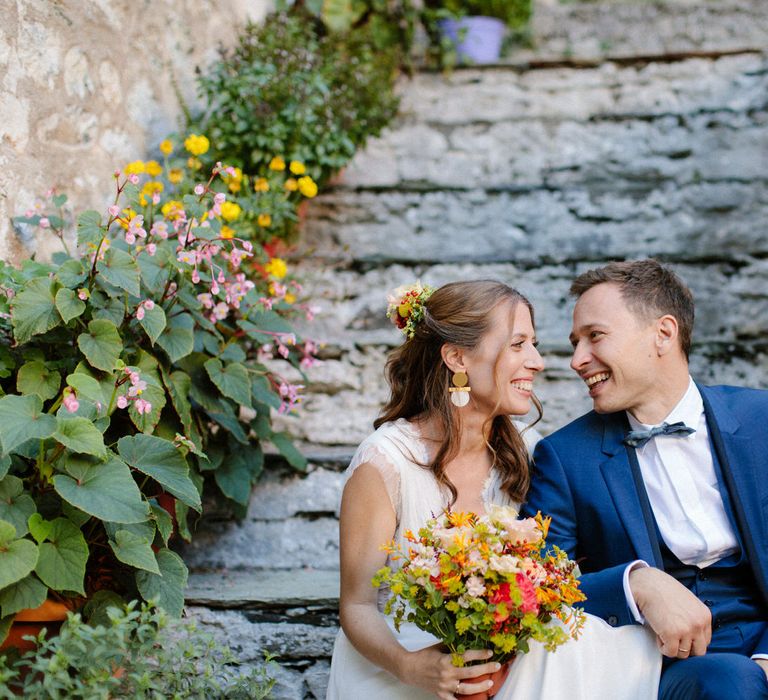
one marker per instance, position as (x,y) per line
(460,390)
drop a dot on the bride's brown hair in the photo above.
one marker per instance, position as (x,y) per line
(458,313)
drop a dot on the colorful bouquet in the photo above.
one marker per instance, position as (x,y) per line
(484,582)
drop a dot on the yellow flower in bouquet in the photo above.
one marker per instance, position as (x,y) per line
(487,581)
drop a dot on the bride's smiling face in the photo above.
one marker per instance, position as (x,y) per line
(502,367)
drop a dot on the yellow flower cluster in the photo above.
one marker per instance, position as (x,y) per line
(234,182)
(307,186)
(196,144)
(230,211)
(276,267)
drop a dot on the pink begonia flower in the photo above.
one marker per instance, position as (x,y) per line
(29,212)
(247,245)
(70,400)
(160,229)
(220,312)
(44,222)
(130,238)
(151,249)
(187,256)
(122,401)
(133,179)
(140,312)
(137,389)
(143,406)
(114,211)
(199,190)
(149,304)
(195,276)
(282,350)
(219,198)
(206,300)
(50,192)
(156,198)
(266,303)
(116,174)
(83,294)
(290,396)
(214,287)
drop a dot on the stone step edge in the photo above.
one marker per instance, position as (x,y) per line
(264,588)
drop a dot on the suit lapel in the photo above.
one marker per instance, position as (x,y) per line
(620,480)
(740,462)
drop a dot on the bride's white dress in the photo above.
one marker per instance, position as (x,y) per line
(605,663)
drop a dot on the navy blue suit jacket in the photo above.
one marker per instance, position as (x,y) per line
(583,479)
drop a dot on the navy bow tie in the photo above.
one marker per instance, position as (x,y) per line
(638,438)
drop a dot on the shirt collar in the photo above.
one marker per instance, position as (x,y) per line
(688,410)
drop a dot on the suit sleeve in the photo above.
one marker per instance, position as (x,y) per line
(551,494)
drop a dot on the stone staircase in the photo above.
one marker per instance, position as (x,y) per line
(632,129)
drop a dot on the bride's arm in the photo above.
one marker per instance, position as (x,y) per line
(367,521)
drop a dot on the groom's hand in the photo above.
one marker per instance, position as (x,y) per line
(682,623)
(763,663)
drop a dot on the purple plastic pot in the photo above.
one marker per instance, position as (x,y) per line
(477,39)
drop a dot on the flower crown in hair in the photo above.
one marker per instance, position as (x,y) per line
(406,306)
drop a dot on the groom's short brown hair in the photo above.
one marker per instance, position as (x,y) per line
(650,290)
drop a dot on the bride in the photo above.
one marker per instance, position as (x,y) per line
(446,439)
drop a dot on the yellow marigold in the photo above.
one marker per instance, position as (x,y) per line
(172,209)
(277,163)
(264,220)
(166,147)
(307,186)
(261,184)
(135,168)
(227,232)
(194,163)
(234,182)
(297,168)
(291,185)
(276,267)
(153,168)
(150,188)
(289,298)
(230,210)
(197,144)
(175,175)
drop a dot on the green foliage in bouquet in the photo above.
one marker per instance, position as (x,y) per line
(132,378)
(484,582)
(135,652)
(288,90)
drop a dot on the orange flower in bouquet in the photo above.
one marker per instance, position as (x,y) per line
(484,582)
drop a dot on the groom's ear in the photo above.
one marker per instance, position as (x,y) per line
(453,356)
(667,335)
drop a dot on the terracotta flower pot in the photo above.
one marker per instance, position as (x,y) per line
(498,678)
(48,616)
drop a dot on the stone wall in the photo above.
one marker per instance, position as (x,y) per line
(89,85)
(602,143)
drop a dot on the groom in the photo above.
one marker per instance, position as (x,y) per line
(661,492)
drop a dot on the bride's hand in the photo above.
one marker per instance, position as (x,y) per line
(433,670)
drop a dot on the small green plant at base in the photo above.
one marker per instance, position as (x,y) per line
(136,652)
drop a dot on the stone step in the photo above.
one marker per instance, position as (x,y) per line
(254,589)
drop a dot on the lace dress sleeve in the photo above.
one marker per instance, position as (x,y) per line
(370,452)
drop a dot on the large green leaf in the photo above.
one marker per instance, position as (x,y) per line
(5,465)
(35,378)
(28,593)
(80,435)
(153,322)
(105,490)
(289,451)
(110,310)
(159,459)
(134,550)
(71,273)
(69,304)
(17,557)
(164,522)
(22,419)
(62,560)
(178,339)
(168,587)
(101,345)
(33,310)
(120,270)
(155,394)
(89,388)
(263,392)
(178,384)
(224,415)
(237,473)
(232,381)
(15,506)
(89,231)
(155,268)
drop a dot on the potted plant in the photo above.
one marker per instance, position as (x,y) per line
(131,380)
(475,29)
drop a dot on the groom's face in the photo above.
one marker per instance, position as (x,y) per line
(613,351)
